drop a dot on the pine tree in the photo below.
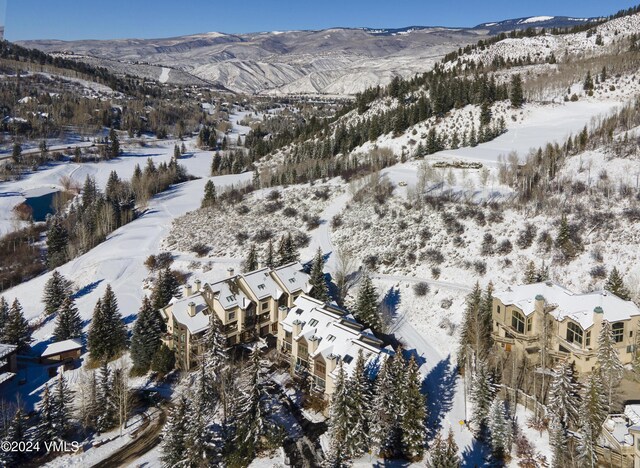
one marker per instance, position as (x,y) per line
(593,413)
(18,432)
(210,196)
(4,316)
(445,453)
(558,440)
(68,322)
(174,436)
(609,365)
(114,150)
(16,329)
(414,415)
(251,262)
(564,395)
(250,416)
(56,291)
(616,285)
(588,82)
(481,395)
(530,273)
(46,429)
(319,289)
(107,334)
(499,425)
(516,95)
(367,310)
(388,406)
(269,259)
(340,418)
(359,395)
(57,241)
(106,411)
(164,360)
(287,251)
(63,399)
(146,337)
(165,288)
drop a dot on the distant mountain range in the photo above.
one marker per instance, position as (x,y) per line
(336,61)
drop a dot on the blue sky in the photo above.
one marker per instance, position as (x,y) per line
(93,19)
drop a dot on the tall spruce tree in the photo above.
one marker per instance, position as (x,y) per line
(68,322)
(481,395)
(340,417)
(319,289)
(593,413)
(609,364)
(388,406)
(46,429)
(616,285)
(444,453)
(516,94)
(564,396)
(16,328)
(414,415)
(500,429)
(174,435)
(107,334)
(210,196)
(4,316)
(359,393)
(146,337)
(165,288)
(56,290)
(367,310)
(269,259)
(63,399)
(287,251)
(251,261)
(106,411)
(57,242)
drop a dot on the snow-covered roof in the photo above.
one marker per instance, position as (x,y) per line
(6,349)
(293,278)
(6,376)
(567,304)
(229,293)
(335,334)
(180,309)
(262,284)
(62,347)
(633,413)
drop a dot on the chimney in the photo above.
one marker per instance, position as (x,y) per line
(187,290)
(313,344)
(539,304)
(282,313)
(231,271)
(192,309)
(297,327)
(332,362)
(198,284)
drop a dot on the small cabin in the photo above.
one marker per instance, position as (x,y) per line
(62,352)
(8,362)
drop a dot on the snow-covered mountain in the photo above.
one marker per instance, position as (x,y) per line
(330,61)
(548,22)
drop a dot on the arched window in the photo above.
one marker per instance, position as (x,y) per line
(517,321)
(618,331)
(574,333)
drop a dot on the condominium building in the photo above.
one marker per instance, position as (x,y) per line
(529,317)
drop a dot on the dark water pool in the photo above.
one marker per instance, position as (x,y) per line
(41,206)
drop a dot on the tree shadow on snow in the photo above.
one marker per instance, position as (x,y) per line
(475,456)
(440,387)
(88,289)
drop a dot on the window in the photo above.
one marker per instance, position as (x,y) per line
(265,305)
(261,287)
(631,349)
(574,333)
(313,322)
(529,323)
(292,280)
(618,332)
(347,359)
(587,340)
(320,383)
(232,315)
(320,368)
(287,336)
(231,298)
(331,338)
(517,321)
(498,309)
(303,350)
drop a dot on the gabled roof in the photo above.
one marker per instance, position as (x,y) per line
(229,294)
(62,347)
(293,278)
(180,309)
(567,304)
(335,334)
(262,284)
(6,349)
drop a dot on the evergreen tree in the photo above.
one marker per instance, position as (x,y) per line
(367,310)
(250,415)
(63,406)
(616,285)
(107,334)
(516,94)
(414,415)
(56,290)
(287,251)
(57,241)
(588,82)
(114,150)
(251,262)
(68,322)
(530,273)
(146,337)
(445,453)
(106,412)
(16,328)
(481,395)
(388,402)
(16,153)
(210,196)
(18,432)
(46,429)
(564,396)
(174,435)
(593,413)
(359,396)
(609,365)
(476,324)
(500,428)
(164,361)
(319,289)
(340,418)
(4,316)
(165,288)
(269,259)
(558,439)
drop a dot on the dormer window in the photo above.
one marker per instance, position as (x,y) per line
(313,322)
(331,338)
(618,332)
(261,287)
(292,280)
(231,298)
(574,333)
(517,321)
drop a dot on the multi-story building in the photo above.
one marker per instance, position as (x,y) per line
(547,316)
(246,304)
(619,443)
(318,337)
